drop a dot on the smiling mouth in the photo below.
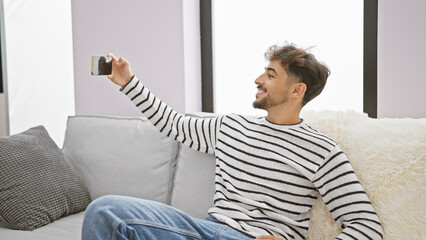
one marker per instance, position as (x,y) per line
(260,92)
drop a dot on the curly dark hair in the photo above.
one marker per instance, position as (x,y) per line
(301,66)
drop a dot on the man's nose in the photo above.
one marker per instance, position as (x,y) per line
(259,80)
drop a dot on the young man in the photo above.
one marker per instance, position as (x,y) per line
(269,170)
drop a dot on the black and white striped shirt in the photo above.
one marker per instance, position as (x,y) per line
(267,175)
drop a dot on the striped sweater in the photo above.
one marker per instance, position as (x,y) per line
(267,175)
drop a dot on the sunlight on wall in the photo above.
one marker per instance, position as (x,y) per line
(244,29)
(40,75)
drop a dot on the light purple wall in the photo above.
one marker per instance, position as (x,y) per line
(401,58)
(148,33)
(151,35)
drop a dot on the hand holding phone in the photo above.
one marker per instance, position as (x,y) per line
(121,72)
(101,65)
(117,70)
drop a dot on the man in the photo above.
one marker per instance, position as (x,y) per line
(269,170)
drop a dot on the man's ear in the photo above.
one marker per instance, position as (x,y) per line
(299,90)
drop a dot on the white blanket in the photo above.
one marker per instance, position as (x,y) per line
(389,158)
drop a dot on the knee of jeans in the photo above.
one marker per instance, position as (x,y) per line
(101,207)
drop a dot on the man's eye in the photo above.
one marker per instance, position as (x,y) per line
(270,76)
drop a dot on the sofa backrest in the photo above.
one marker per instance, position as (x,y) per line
(194,187)
(121,156)
(130,157)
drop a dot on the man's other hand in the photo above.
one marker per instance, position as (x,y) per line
(268,237)
(121,73)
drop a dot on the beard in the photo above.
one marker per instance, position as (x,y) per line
(270,100)
(260,104)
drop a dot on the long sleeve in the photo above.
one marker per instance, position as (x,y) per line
(347,201)
(197,133)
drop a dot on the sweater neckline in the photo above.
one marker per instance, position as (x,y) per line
(265,121)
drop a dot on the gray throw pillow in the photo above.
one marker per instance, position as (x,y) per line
(37,184)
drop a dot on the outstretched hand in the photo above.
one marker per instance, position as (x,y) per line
(121,73)
(268,237)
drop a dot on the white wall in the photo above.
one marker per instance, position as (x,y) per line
(401,58)
(150,35)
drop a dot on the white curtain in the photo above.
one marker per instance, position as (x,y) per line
(39,60)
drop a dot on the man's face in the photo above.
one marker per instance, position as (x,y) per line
(272,85)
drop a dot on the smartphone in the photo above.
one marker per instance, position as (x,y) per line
(101,65)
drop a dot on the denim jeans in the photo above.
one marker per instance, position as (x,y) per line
(119,218)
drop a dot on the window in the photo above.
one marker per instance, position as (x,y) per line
(242,31)
(39,64)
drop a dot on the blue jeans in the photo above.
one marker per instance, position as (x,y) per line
(119,218)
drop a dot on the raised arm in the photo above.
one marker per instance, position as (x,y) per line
(346,199)
(196,133)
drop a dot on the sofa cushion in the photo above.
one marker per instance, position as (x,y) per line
(194,183)
(121,156)
(65,228)
(37,184)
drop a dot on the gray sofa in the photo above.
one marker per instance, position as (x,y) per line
(128,156)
